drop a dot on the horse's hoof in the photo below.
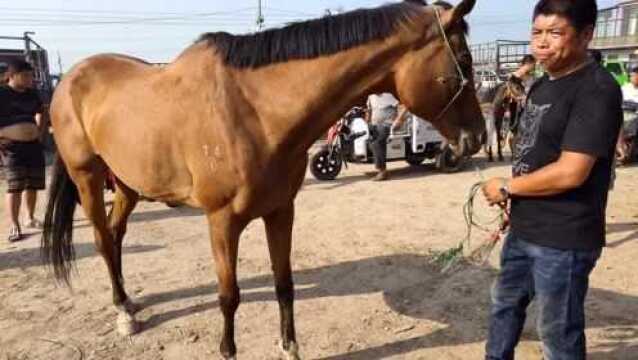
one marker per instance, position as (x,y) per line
(126,325)
(292,353)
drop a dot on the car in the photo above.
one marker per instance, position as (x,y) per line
(486,79)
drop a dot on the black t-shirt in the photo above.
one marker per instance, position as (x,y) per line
(18,107)
(578,113)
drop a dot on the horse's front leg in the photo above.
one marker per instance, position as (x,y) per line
(279,233)
(225,229)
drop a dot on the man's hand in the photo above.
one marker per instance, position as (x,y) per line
(492,191)
(395,126)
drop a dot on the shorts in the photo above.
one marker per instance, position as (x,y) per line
(23,166)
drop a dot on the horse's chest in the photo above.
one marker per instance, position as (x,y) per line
(275,185)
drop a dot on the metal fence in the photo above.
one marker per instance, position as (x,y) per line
(35,54)
(498,58)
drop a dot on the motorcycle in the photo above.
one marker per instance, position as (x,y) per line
(349,141)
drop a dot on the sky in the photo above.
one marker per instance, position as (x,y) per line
(158,30)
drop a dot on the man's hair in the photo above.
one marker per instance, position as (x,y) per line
(528,59)
(18,66)
(579,13)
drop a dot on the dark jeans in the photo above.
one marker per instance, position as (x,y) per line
(380,134)
(558,280)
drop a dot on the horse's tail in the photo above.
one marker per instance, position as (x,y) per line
(57,237)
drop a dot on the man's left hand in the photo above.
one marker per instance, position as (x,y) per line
(492,191)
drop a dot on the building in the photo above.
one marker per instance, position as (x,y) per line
(616,34)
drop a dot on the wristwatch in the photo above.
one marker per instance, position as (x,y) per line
(505,189)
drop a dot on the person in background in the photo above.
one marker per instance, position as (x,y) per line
(596,55)
(21,126)
(384,114)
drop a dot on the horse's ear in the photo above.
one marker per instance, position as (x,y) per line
(457,13)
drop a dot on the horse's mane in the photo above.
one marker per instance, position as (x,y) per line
(310,39)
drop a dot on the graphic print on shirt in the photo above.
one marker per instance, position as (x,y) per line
(528,126)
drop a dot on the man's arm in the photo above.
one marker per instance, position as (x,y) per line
(42,119)
(570,171)
(591,134)
(401,117)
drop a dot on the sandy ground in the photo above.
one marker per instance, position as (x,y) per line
(365,286)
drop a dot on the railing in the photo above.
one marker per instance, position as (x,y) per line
(616,42)
(37,56)
(499,56)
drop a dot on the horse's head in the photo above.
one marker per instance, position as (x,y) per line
(515,90)
(434,79)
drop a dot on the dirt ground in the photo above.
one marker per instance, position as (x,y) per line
(365,286)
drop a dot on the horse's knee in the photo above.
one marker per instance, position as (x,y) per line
(229,302)
(285,293)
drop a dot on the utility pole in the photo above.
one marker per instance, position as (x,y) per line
(59,63)
(260,17)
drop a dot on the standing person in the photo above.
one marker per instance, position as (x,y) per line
(384,114)
(630,89)
(596,55)
(525,73)
(630,97)
(561,173)
(21,125)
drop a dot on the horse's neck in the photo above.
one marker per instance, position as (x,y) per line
(299,100)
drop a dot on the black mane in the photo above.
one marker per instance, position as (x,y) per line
(311,39)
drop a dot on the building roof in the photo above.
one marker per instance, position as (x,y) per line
(620,3)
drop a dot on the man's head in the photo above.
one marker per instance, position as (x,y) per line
(3,74)
(20,75)
(561,33)
(633,74)
(528,63)
(596,55)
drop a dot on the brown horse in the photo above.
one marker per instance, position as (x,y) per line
(502,99)
(226,128)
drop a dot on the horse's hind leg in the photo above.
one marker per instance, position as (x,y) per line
(279,233)
(90,182)
(123,205)
(225,229)
(499,138)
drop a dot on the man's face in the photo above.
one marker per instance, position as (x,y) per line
(556,44)
(634,78)
(22,80)
(528,68)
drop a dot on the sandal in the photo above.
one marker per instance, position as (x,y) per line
(14,234)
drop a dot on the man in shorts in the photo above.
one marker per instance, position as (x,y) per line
(21,126)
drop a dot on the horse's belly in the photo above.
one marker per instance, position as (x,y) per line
(153,169)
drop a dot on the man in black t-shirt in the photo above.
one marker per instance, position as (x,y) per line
(21,126)
(561,173)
